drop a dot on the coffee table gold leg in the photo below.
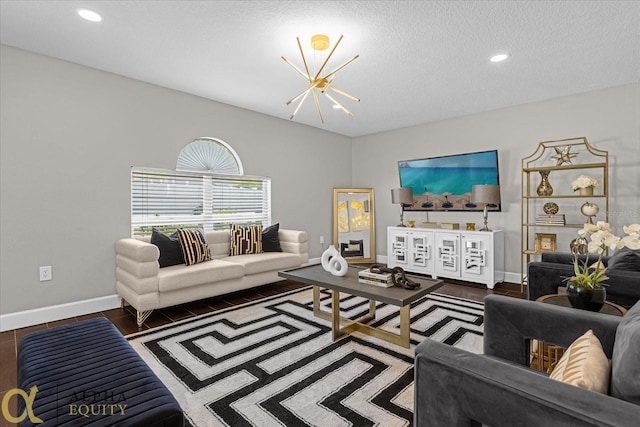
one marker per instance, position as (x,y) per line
(372,309)
(335,315)
(405,323)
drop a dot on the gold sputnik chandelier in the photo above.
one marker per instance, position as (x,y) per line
(320,82)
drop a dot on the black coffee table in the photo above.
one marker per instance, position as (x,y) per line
(400,297)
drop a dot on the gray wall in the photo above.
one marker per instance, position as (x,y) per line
(609,118)
(69,135)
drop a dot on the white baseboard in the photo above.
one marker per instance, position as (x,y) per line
(511,277)
(22,319)
(36,316)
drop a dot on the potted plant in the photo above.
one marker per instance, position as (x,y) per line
(585,288)
(585,184)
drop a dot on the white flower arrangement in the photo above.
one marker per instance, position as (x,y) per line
(584,181)
(601,238)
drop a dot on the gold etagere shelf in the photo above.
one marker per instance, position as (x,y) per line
(571,156)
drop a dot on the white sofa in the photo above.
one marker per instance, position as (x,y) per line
(144,285)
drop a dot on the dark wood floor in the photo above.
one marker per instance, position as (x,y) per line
(125,320)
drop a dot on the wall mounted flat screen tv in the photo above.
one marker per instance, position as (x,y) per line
(444,183)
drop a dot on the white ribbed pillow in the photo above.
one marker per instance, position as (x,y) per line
(584,364)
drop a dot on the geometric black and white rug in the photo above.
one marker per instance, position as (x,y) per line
(272,363)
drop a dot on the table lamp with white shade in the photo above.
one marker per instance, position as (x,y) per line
(487,195)
(403,197)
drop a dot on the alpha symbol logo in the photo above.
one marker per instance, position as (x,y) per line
(28,400)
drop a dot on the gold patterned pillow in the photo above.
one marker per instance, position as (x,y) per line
(194,248)
(584,364)
(245,239)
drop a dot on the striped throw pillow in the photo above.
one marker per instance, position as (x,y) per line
(245,239)
(194,248)
(584,364)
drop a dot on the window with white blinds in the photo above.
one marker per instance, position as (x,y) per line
(167,200)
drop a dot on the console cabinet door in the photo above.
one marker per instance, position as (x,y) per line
(421,251)
(410,249)
(476,257)
(397,248)
(448,254)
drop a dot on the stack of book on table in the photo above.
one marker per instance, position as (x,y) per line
(384,280)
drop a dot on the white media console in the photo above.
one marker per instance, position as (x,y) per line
(474,256)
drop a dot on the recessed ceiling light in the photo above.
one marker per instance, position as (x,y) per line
(89,15)
(499,58)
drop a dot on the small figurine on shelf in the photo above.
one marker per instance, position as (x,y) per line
(563,155)
(590,210)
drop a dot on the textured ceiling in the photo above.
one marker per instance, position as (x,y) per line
(420,61)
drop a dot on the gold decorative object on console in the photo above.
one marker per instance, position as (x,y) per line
(323,83)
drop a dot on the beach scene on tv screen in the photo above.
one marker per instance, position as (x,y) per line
(444,183)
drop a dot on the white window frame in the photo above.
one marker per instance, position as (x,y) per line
(234,199)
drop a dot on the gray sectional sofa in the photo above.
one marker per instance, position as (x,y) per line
(144,285)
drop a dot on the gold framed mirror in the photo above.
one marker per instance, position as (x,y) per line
(354,230)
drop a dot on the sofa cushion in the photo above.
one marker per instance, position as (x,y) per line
(584,364)
(182,276)
(169,246)
(194,248)
(267,261)
(270,239)
(219,243)
(245,239)
(625,369)
(624,259)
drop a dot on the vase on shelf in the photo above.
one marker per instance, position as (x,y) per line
(544,189)
(591,299)
(587,191)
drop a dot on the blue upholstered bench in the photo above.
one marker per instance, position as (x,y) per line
(88,374)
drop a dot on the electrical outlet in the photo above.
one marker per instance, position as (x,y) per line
(46,273)
(322,240)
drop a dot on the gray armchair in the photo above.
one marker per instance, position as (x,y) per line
(456,388)
(623,268)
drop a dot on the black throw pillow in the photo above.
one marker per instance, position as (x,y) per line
(270,240)
(170,250)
